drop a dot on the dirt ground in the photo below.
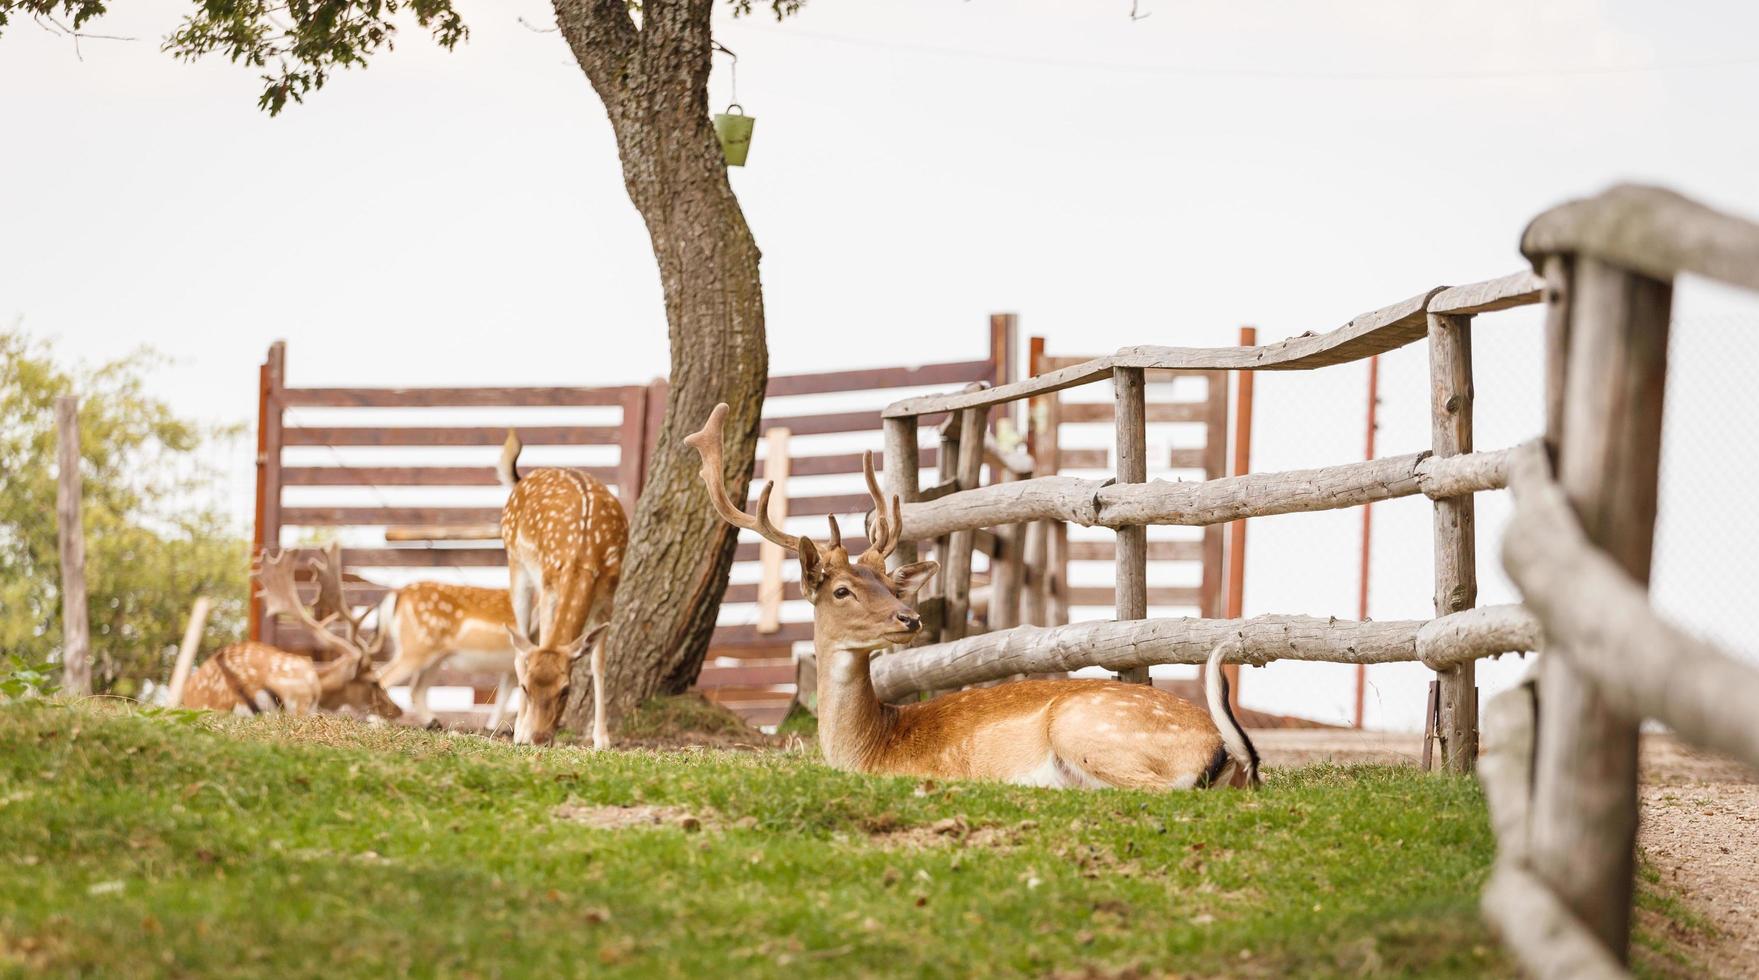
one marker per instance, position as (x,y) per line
(1699,825)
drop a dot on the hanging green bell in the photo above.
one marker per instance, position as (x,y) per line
(734,131)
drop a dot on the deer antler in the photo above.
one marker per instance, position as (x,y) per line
(707,443)
(884,535)
(332,602)
(274,574)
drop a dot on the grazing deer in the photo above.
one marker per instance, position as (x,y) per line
(430,623)
(565,533)
(259,677)
(1059,733)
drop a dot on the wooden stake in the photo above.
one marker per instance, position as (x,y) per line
(1584,816)
(1132,571)
(76,637)
(192,641)
(1456,570)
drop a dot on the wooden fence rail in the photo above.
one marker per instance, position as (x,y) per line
(1560,772)
(1139,643)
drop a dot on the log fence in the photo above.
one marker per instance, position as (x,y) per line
(1560,753)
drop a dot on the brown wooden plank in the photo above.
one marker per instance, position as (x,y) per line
(417,557)
(412,476)
(748,636)
(1082,459)
(1084,412)
(954,372)
(836,464)
(451,397)
(748,550)
(632,436)
(779,651)
(747,592)
(358,594)
(1157,551)
(486,435)
(844,503)
(833,422)
(1159,595)
(746,676)
(386,516)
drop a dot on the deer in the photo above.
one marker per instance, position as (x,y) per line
(1085,734)
(258,677)
(565,533)
(430,623)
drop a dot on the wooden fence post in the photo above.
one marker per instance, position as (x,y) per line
(1583,820)
(631,447)
(192,641)
(1132,433)
(1236,604)
(956,567)
(76,637)
(1456,571)
(902,465)
(271,380)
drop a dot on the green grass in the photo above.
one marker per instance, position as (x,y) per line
(136,843)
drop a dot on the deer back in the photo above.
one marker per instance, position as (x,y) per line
(239,674)
(555,518)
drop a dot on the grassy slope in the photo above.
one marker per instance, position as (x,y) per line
(283,847)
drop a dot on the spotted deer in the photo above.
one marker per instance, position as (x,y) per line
(1058,733)
(431,623)
(565,533)
(258,677)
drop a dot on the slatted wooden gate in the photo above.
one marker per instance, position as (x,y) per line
(351,464)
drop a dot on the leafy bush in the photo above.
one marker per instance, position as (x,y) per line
(156,535)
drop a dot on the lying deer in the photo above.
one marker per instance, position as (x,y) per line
(565,533)
(1059,733)
(258,677)
(430,623)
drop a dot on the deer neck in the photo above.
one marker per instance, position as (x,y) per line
(568,593)
(853,726)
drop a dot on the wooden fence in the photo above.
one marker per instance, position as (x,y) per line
(1560,768)
(750,665)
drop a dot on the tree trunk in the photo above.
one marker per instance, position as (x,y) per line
(653,81)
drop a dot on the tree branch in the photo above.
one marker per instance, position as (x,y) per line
(604,40)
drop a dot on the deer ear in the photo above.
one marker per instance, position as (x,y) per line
(586,641)
(522,646)
(812,572)
(910,578)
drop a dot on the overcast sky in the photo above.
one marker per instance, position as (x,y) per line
(460,218)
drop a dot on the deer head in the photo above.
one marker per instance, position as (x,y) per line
(544,683)
(352,650)
(857,604)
